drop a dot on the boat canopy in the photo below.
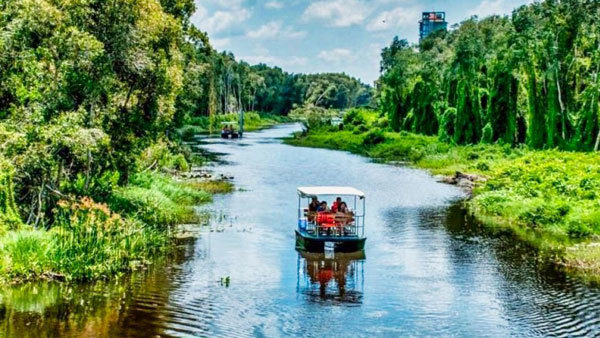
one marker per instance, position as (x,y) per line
(315,191)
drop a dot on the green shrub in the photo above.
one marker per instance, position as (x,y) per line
(487,134)
(160,156)
(100,187)
(150,206)
(579,230)
(361,128)
(382,122)
(25,253)
(374,137)
(544,213)
(483,166)
(9,215)
(187,132)
(91,242)
(182,193)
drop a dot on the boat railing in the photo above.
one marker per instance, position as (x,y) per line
(328,225)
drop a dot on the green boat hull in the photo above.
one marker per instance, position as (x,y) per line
(310,243)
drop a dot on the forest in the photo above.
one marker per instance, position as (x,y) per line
(93,95)
(528,78)
(509,102)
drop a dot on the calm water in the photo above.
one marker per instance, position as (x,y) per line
(427,269)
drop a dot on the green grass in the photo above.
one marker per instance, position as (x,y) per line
(90,240)
(213,187)
(548,198)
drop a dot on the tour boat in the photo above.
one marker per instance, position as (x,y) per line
(230,132)
(328,231)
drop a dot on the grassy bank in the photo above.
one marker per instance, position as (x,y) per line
(549,198)
(252,121)
(122,230)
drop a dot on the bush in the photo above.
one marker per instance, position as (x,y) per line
(25,253)
(361,129)
(160,156)
(544,213)
(382,122)
(100,187)
(488,134)
(150,206)
(374,137)
(91,242)
(9,216)
(187,132)
(579,230)
(182,193)
(159,200)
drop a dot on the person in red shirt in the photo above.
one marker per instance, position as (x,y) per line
(336,204)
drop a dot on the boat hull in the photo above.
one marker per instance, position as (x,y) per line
(311,243)
(230,135)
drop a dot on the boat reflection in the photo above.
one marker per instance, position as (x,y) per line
(331,277)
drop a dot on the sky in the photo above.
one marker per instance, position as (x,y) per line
(316,36)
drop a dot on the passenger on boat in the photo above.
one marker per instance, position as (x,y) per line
(344,215)
(336,204)
(323,207)
(314,205)
(343,208)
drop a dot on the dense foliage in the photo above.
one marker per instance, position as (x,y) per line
(531,78)
(547,197)
(91,96)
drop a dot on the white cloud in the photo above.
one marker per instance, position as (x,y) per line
(491,7)
(275,61)
(335,55)
(219,20)
(220,44)
(223,3)
(397,17)
(274,5)
(275,29)
(340,13)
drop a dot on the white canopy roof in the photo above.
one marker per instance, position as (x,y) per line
(314,191)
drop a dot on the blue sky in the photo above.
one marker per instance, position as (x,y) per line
(314,36)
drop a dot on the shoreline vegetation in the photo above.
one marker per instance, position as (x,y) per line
(548,198)
(126,231)
(253,121)
(98,102)
(126,225)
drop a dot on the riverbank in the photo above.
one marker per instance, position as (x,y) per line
(252,121)
(548,198)
(123,229)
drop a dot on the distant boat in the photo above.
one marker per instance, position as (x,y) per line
(320,231)
(229,130)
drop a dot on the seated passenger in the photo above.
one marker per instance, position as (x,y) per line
(344,215)
(323,207)
(336,204)
(343,209)
(314,205)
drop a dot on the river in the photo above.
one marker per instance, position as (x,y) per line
(428,268)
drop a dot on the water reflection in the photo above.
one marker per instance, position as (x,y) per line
(331,277)
(122,306)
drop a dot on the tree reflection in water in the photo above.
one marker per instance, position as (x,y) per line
(327,277)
